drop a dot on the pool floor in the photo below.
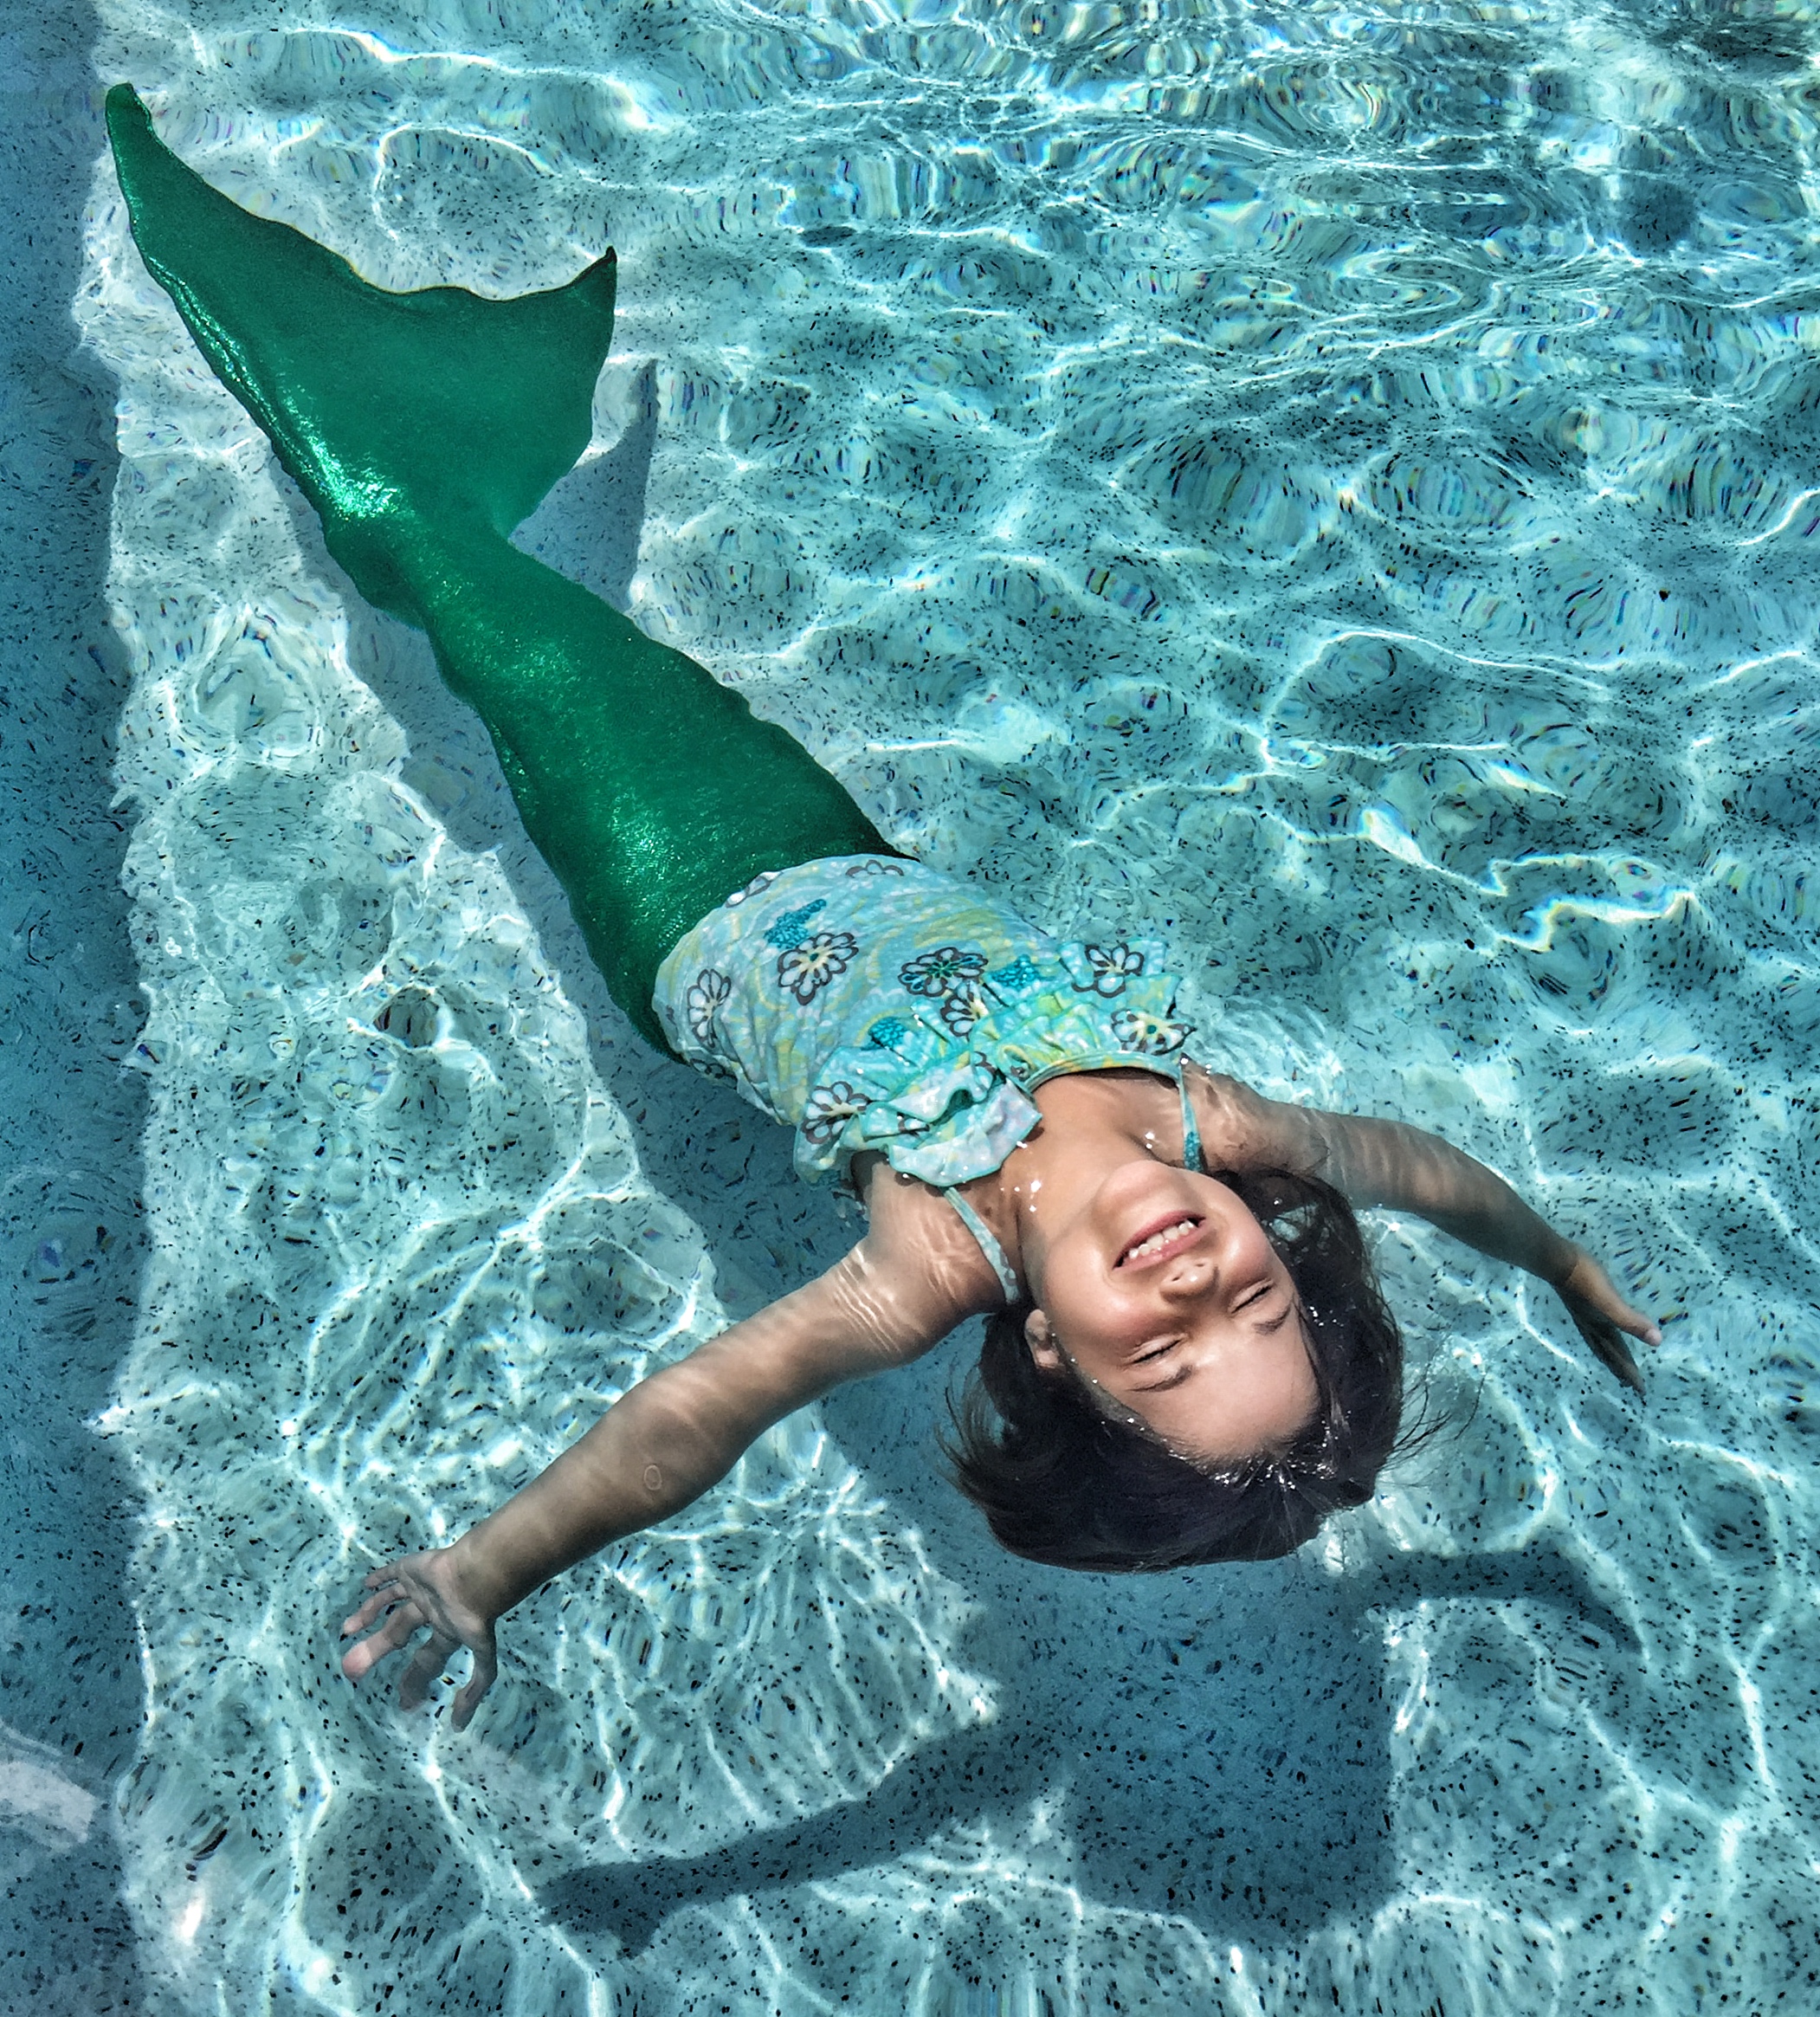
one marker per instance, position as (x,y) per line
(1335,488)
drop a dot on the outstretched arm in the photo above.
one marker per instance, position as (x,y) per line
(1388,1163)
(904,1287)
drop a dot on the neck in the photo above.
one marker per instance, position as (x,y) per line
(1091,1121)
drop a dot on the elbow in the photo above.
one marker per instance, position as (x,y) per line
(690,1433)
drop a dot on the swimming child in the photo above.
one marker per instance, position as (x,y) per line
(1186,1356)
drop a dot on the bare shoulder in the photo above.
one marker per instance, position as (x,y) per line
(893,1295)
(1241,1129)
(919,1254)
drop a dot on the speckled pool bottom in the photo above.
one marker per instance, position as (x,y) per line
(1334,485)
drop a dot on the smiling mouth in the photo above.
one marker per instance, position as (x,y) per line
(1160,1240)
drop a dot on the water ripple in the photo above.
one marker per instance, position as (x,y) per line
(1338,484)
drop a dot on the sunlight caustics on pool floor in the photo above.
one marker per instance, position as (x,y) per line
(1335,487)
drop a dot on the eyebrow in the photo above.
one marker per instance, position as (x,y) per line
(1188,1373)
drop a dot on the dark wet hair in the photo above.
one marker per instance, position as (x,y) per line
(1060,1483)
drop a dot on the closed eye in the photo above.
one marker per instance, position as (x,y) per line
(1174,1377)
(1155,1353)
(1251,1307)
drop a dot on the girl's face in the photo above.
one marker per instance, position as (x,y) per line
(1161,1289)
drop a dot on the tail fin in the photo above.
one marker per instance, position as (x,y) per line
(400,416)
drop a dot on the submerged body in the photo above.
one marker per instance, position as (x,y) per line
(423,428)
(1018,1116)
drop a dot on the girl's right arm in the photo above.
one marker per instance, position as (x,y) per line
(1405,1169)
(907,1284)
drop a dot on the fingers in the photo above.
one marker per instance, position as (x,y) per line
(1617,1357)
(1596,1307)
(396,1632)
(405,1597)
(425,1664)
(1619,1313)
(387,1588)
(1613,1352)
(370,1613)
(1613,1308)
(485,1668)
(426,1667)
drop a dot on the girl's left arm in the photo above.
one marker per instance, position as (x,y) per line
(1388,1163)
(908,1282)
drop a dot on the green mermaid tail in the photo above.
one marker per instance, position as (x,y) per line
(437,407)
(423,428)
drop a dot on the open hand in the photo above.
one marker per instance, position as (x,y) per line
(1603,1317)
(415,1591)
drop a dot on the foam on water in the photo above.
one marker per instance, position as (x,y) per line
(1336,485)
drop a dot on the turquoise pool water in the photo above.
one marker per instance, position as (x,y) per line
(1337,485)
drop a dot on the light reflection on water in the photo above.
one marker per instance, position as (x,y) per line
(1337,485)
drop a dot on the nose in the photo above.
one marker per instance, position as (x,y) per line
(1199,1270)
(1190,1275)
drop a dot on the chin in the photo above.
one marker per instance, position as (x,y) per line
(1131,1183)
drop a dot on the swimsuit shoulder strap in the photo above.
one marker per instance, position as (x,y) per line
(1193,1156)
(989,1245)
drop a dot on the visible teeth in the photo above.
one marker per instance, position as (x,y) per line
(1158,1240)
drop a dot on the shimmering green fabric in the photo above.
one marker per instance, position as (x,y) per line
(423,428)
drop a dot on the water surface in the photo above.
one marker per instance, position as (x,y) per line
(1336,485)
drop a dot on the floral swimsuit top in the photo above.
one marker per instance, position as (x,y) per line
(876,1004)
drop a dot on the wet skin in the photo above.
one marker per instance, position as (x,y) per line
(1201,1338)
(1154,1285)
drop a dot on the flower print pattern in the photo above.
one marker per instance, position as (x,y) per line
(1150,1036)
(793,928)
(703,1003)
(874,1004)
(809,963)
(1109,968)
(942,970)
(961,1008)
(830,1107)
(953,975)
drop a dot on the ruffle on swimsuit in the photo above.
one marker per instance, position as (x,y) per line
(877,1004)
(947,1108)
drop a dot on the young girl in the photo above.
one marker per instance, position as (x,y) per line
(1186,1356)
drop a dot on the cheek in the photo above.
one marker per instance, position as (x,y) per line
(1065,1293)
(1255,1243)
(1259,1253)
(1075,1296)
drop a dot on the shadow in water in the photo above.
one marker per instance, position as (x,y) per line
(1239,1780)
(588,527)
(72,1230)
(1215,1746)
(1236,1806)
